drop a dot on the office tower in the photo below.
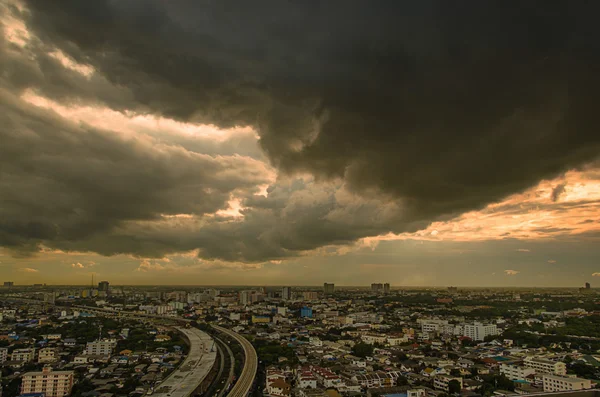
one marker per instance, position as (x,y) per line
(8,283)
(386,288)
(376,287)
(286,293)
(328,288)
(587,286)
(103,286)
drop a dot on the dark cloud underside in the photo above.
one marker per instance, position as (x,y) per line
(425,109)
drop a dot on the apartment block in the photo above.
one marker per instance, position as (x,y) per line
(478,331)
(545,366)
(441,382)
(516,372)
(553,383)
(47,355)
(102,348)
(23,355)
(51,383)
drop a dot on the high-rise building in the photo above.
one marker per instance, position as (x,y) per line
(386,288)
(328,288)
(103,286)
(376,287)
(245,297)
(587,286)
(8,284)
(50,383)
(286,293)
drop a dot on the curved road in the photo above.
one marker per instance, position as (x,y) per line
(244,383)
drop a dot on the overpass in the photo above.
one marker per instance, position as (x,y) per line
(242,386)
(244,383)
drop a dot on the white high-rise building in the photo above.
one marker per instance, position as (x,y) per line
(478,331)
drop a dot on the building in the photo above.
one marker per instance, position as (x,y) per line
(23,354)
(478,331)
(103,286)
(544,366)
(553,383)
(376,287)
(310,295)
(386,288)
(328,288)
(101,348)
(8,284)
(286,293)
(47,355)
(3,354)
(306,312)
(516,372)
(51,383)
(261,319)
(442,382)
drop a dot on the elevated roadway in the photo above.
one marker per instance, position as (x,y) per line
(244,383)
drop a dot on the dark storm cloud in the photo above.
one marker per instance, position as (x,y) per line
(424,109)
(60,181)
(446,105)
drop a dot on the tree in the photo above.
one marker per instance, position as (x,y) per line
(362,349)
(454,386)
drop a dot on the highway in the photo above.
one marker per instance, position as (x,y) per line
(198,363)
(246,379)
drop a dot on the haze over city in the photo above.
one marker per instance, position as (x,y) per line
(422,143)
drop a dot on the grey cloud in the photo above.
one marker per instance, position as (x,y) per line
(558,191)
(442,105)
(424,110)
(65,182)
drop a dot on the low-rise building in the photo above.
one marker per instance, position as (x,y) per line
(23,354)
(442,382)
(545,366)
(553,383)
(47,355)
(100,348)
(51,383)
(516,372)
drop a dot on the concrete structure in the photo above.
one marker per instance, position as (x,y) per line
(244,383)
(23,355)
(51,383)
(102,348)
(478,331)
(386,288)
(328,288)
(47,355)
(516,372)
(184,381)
(544,366)
(103,286)
(553,383)
(441,382)
(286,293)
(3,354)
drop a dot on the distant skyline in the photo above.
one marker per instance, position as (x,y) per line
(415,143)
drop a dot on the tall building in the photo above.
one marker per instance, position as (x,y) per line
(386,288)
(376,287)
(51,383)
(103,286)
(8,283)
(328,288)
(286,293)
(478,331)
(587,286)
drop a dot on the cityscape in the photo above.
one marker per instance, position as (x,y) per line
(106,340)
(299,198)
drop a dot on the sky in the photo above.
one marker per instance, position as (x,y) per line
(427,143)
